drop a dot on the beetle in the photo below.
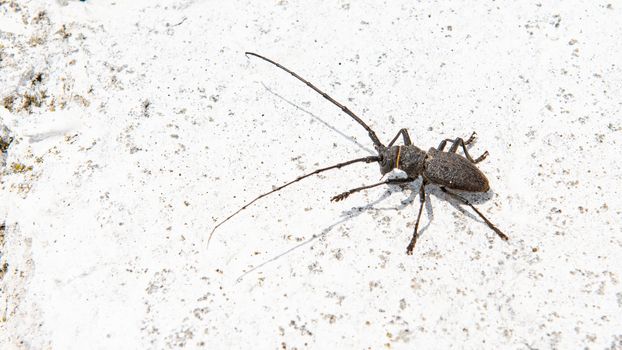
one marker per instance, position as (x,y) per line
(448,170)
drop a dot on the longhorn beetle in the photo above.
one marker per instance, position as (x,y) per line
(448,169)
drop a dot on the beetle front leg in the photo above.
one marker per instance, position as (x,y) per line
(405,136)
(345,194)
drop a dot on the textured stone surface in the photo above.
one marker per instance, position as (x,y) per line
(138,124)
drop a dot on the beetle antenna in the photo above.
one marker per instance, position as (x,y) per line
(377,144)
(369,159)
(490,224)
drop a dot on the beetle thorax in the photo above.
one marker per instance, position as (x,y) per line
(410,159)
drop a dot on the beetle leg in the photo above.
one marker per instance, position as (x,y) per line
(459,142)
(466,143)
(345,194)
(471,138)
(502,235)
(413,240)
(405,136)
(441,146)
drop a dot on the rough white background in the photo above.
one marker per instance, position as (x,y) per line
(144,124)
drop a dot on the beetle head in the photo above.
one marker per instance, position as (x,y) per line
(387,161)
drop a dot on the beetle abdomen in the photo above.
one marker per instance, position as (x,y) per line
(454,171)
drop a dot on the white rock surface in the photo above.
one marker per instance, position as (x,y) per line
(139,124)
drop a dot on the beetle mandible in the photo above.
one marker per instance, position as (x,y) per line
(448,170)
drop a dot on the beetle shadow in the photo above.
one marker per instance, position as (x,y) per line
(433,191)
(473,198)
(346,216)
(410,201)
(347,137)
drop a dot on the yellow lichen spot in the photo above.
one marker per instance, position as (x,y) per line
(8,101)
(20,168)
(35,41)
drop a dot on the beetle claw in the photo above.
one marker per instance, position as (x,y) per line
(482,157)
(340,197)
(471,138)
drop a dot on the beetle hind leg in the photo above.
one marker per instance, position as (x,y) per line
(501,235)
(459,142)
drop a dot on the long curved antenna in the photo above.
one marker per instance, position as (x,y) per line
(369,159)
(490,224)
(377,144)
